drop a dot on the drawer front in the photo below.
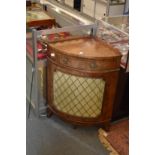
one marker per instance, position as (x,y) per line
(89,65)
(83,63)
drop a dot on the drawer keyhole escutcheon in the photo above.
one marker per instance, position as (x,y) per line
(65,60)
(93,65)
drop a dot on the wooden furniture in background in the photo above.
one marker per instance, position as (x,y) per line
(39,18)
(82,77)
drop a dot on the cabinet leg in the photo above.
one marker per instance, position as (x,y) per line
(49,112)
(74,127)
(106,126)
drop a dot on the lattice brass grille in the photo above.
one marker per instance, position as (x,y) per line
(78,96)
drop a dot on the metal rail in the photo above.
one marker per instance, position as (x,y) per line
(66,29)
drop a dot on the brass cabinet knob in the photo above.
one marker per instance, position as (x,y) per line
(65,60)
(93,65)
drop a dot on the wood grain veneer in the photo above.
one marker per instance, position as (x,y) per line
(97,60)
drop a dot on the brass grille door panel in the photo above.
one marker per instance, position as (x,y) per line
(78,96)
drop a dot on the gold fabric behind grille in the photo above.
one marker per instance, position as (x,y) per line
(78,96)
(42,80)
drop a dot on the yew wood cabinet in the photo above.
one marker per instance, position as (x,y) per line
(82,75)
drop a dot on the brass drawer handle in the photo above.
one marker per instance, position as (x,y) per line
(65,60)
(93,65)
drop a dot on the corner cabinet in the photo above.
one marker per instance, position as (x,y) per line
(82,77)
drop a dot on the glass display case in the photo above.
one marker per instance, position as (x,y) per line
(115,31)
(120,22)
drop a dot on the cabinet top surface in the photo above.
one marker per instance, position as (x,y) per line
(88,47)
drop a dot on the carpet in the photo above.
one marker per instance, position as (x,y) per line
(117,139)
